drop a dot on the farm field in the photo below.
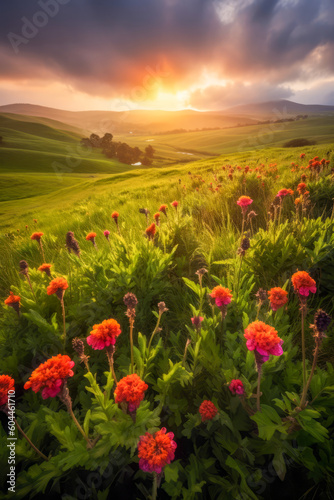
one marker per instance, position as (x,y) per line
(204,274)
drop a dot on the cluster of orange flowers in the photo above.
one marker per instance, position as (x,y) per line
(277,297)
(36,236)
(6,384)
(12,299)
(264,339)
(130,389)
(51,375)
(104,334)
(221,295)
(156,450)
(56,285)
(303,283)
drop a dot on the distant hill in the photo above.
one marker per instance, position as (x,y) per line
(275,109)
(135,121)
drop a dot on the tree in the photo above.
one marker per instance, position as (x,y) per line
(149,151)
(146,161)
(95,140)
(106,141)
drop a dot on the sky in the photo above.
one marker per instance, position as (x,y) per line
(165,54)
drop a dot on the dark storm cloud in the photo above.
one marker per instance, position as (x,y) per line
(105,48)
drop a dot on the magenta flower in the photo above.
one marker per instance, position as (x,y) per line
(237,387)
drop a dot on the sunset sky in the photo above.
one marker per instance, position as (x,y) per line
(165,54)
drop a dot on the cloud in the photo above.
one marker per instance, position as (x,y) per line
(129,48)
(234,93)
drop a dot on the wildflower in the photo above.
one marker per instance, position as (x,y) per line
(51,376)
(284,192)
(150,231)
(6,385)
(106,234)
(245,243)
(131,301)
(130,390)
(91,237)
(261,295)
(155,451)
(302,155)
(301,188)
(72,244)
(251,215)
(35,221)
(222,296)
(157,218)
(297,201)
(175,204)
(197,321)
(79,348)
(36,236)
(46,269)
(237,387)
(278,298)
(207,410)
(163,209)
(115,216)
(12,299)
(24,267)
(263,339)
(322,320)
(57,286)
(244,202)
(162,307)
(303,284)
(104,334)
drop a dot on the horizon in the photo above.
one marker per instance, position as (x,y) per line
(255,103)
(204,55)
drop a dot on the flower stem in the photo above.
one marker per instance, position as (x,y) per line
(314,364)
(42,251)
(303,311)
(154,332)
(155,486)
(31,288)
(79,427)
(131,343)
(64,324)
(30,442)
(239,276)
(258,390)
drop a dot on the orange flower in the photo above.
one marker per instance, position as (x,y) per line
(175,204)
(6,384)
(90,236)
(264,339)
(278,298)
(150,231)
(222,296)
(130,389)
(156,450)
(163,209)
(104,334)
(297,201)
(303,283)
(57,286)
(45,268)
(207,410)
(36,236)
(51,376)
(301,188)
(12,299)
(156,216)
(115,216)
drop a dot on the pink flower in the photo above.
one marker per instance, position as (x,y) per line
(106,232)
(244,201)
(237,387)
(196,321)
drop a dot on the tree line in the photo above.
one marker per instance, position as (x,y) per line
(119,150)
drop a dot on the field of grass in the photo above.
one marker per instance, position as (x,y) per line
(275,438)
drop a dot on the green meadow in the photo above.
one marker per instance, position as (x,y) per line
(280,422)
